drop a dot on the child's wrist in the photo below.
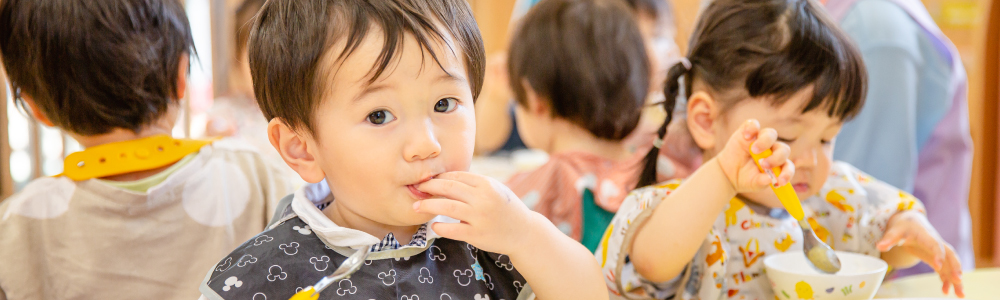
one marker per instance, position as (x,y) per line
(730,186)
(540,235)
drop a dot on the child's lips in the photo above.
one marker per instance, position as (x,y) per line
(417,193)
(801,187)
(420,195)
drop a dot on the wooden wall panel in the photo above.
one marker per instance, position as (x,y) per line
(493,17)
(6,183)
(987,201)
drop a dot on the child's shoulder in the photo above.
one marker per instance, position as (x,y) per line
(289,256)
(274,260)
(233,145)
(237,159)
(655,191)
(643,199)
(42,198)
(844,176)
(848,184)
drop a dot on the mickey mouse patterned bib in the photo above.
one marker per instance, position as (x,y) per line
(289,257)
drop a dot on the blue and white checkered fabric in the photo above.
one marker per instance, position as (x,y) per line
(419,239)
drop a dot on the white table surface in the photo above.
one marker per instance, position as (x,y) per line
(980,284)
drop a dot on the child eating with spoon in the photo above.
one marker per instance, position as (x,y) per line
(778,64)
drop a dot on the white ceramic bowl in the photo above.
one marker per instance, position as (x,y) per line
(793,278)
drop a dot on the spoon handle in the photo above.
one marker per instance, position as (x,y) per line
(786,193)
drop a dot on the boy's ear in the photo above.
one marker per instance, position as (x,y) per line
(296,149)
(535,104)
(35,112)
(182,73)
(702,111)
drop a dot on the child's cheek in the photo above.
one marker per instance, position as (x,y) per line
(460,142)
(821,173)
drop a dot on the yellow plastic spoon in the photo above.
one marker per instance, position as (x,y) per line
(819,254)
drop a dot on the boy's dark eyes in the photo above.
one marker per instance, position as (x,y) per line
(445,105)
(380,117)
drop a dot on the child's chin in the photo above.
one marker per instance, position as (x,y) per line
(419,218)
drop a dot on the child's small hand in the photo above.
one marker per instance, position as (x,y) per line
(493,218)
(739,166)
(911,232)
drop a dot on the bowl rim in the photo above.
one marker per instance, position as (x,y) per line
(882,268)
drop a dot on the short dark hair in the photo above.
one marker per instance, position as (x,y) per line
(587,58)
(92,66)
(290,37)
(744,49)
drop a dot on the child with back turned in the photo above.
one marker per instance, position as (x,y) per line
(580,73)
(762,75)
(137,213)
(371,101)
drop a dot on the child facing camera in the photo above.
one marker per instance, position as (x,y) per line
(372,103)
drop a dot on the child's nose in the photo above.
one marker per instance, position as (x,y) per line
(806,159)
(422,144)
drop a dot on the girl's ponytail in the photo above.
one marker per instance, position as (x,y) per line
(766,49)
(671,90)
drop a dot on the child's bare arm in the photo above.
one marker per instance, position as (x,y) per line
(683,219)
(557,266)
(495,220)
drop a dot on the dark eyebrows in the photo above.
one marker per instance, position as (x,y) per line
(451,76)
(375,87)
(368,89)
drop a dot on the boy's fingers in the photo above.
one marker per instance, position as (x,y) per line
(447,188)
(455,231)
(470,179)
(445,207)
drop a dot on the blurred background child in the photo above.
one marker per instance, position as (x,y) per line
(581,78)
(236,113)
(137,213)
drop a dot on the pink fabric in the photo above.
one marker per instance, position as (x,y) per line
(944,164)
(555,189)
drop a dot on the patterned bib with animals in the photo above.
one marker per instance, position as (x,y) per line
(304,246)
(850,214)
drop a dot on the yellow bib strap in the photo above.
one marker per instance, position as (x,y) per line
(128,156)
